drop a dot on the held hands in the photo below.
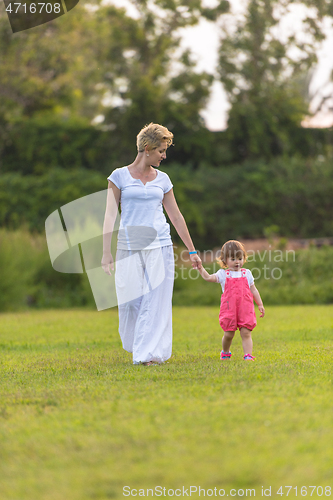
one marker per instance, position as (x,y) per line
(107,263)
(262,310)
(196,261)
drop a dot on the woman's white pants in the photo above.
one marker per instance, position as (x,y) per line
(144,285)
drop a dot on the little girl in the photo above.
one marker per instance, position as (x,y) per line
(238,291)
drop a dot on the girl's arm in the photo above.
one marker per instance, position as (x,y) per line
(178,221)
(206,276)
(257,298)
(111,212)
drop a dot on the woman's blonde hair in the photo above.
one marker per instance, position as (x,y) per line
(231,248)
(152,135)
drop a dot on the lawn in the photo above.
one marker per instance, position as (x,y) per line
(79,422)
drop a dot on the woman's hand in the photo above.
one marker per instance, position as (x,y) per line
(177,219)
(195,261)
(107,263)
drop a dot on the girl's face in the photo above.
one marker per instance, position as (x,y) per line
(235,262)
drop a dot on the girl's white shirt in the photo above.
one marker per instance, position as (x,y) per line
(142,224)
(221,276)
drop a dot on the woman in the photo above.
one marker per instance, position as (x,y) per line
(145,261)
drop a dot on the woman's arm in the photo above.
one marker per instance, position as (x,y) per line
(178,221)
(111,212)
(257,298)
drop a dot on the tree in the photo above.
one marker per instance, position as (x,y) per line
(159,82)
(52,67)
(50,72)
(99,61)
(263,75)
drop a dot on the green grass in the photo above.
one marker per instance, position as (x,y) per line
(78,421)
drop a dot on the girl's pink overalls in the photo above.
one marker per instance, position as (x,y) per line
(237,309)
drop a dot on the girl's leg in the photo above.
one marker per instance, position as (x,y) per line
(246,340)
(226,341)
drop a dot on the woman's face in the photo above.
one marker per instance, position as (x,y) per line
(157,155)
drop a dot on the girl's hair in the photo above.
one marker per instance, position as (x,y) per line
(231,248)
(152,135)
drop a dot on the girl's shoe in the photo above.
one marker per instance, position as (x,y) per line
(225,355)
(249,357)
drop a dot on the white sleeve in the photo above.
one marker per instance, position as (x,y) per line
(250,278)
(220,274)
(167,184)
(115,178)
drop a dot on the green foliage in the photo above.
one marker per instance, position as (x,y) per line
(54,290)
(35,145)
(130,71)
(158,79)
(282,277)
(242,200)
(28,279)
(236,202)
(32,200)
(38,144)
(263,127)
(79,421)
(53,67)
(264,78)
(304,280)
(19,259)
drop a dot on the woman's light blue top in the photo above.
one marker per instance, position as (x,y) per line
(142,224)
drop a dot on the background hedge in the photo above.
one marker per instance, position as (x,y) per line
(36,144)
(28,279)
(240,201)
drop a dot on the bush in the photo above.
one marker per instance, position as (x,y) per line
(218,204)
(302,277)
(31,200)
(31,146)
(34,146)
(239,202)
(19,257)
(28,279)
